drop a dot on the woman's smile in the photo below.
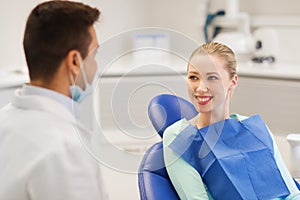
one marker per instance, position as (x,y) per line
(203,100)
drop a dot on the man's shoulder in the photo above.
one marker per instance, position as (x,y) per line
(36,125)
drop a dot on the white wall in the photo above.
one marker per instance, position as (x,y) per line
(120,15)
(263,7)
(271,7)
(12,23)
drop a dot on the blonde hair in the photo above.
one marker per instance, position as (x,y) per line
(220,50)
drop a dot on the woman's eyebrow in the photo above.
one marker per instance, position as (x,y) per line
(207,74)
(193,72)
(212,73)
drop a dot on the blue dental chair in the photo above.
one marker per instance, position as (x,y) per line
(154,182)
(153,179)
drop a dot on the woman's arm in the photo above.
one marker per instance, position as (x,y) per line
(185,179)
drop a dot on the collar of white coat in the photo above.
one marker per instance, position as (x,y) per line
(30,97)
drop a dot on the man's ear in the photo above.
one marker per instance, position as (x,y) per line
(73,62)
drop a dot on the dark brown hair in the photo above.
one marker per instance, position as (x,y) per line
(54,28)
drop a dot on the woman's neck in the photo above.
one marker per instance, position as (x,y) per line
(205,119)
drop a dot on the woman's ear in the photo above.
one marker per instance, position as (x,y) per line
(234,81)
(233,84)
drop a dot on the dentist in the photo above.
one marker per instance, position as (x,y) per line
(41,155)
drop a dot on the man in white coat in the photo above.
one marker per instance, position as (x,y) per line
(41,155)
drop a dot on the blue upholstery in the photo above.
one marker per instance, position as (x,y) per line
(154,182)
(297,184)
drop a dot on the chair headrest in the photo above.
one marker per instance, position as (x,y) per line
(166,109)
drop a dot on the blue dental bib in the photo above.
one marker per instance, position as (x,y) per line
(234,158)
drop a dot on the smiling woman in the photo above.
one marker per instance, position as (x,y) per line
(210,84)
(217,148)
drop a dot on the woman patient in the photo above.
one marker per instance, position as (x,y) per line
(218,155)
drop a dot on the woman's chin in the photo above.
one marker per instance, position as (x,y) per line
(203,109)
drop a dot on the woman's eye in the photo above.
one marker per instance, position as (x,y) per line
(193,78)
(212,78)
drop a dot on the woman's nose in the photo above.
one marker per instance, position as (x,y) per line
(202,86)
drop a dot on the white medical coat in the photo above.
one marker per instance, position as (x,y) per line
(41,155)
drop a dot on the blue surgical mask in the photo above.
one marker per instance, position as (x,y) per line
(79,94)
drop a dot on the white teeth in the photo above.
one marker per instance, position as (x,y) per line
(203,99)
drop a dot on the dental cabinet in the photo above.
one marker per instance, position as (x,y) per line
(276,100)
(123,95)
